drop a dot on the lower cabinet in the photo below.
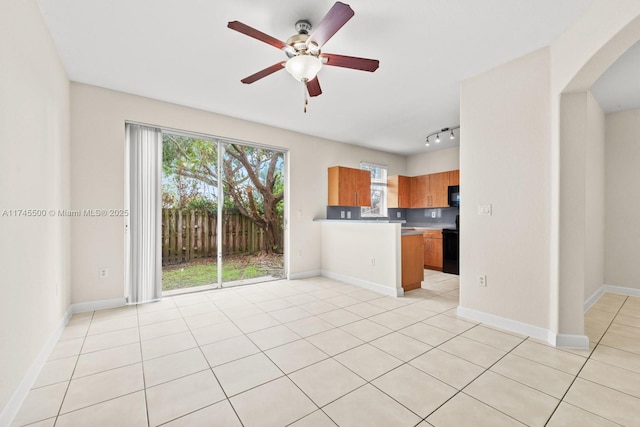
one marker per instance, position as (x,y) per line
(412,255)
(433,249)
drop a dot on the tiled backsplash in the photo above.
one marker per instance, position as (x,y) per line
(335,212)
(412,216)
(424,216)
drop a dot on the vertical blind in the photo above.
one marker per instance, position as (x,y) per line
(144,264)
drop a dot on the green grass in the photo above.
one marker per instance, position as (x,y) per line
(199,274)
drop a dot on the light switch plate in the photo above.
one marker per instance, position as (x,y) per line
(348,214)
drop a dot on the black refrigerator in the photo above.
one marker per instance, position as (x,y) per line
(450,251)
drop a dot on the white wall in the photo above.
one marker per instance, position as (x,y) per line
(34,133)
(505,159)
(434,161)
(97,176)
(347,250)
(594,198)
(622,241)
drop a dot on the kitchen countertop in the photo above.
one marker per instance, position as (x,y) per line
(411,232)
(365,221)
(428,226)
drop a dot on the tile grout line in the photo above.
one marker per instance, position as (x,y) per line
(333,356)
(226,397)
(144,378)
(585,364)
(84,338)
(474,379)
(311,315)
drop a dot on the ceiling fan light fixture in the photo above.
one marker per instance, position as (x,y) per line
(304,68)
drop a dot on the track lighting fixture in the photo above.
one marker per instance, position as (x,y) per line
(437,133)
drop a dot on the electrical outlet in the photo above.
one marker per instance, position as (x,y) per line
(372,261)
(485,210)
(342,214)
(433,214)
(348,214)
(103,272)
(398,214)
(482,281)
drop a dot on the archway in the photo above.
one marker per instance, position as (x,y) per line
(573,118)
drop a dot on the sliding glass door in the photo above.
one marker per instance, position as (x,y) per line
(253,217)
(222,213)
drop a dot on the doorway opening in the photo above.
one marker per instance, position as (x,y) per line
(222,213)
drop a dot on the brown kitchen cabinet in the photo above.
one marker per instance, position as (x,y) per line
(433,249)
(420,195)
(399,191)
(349,187)
(412,248)
(430,191)
(454,177)
(439,189)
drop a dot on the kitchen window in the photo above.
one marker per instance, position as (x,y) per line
(378,206)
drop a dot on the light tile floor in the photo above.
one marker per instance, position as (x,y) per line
(317,352)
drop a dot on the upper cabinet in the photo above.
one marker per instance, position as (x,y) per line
(424,191)
(454,177)
(349,187)
(439,190)
(399,191)
(420,193)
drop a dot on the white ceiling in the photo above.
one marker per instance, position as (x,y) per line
(182,52)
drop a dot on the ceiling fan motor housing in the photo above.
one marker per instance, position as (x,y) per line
(303,26)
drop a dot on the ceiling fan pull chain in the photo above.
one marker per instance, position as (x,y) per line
(306,98)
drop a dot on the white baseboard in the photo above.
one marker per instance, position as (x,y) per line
(508,324)
(556,340)
(82,307)
(304,274)
(15,402)
(593,298)
(632,292)
(621,290)
(375,287)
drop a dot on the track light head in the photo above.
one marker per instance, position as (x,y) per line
(443,131)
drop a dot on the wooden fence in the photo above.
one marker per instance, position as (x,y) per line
(189,235)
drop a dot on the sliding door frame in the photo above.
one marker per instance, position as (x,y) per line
(220,141)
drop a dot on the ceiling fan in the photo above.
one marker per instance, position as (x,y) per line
(304,49)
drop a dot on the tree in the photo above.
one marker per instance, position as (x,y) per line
(252,181)
(262,168)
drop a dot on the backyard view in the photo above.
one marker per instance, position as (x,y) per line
(251,235)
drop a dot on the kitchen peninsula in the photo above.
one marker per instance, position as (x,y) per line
(368,253)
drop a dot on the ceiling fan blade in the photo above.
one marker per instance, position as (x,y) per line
(356,63)
(259,35)
(313,87)
(263,73)
(337,16)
